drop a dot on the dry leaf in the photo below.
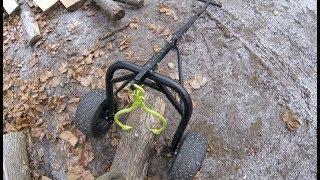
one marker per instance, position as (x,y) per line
(124,44)
(89,59)
(71,27)
(78,172)
(171,65)
(85,81)
(64,67)
(74,100)
(70,137)
(156,48)
(163,8)
(98,72)
(152,27)
(74,173)
(197,176)
(156,28)
(292,121)
(55,81)
(187,86)
(109,46)
(37,132)
(45,76)
(61,107)
(198,81)
(134,23)
(174,76)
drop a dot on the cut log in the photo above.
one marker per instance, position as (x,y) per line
(111,8)
(45,5)
(30,3)
(4,15)
(15,159)
(135,146)
(29,24)
(72,5)
(10,6)
(136,3)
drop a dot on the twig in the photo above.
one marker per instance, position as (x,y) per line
(115,32)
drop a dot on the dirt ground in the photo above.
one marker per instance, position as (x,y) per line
(259,58)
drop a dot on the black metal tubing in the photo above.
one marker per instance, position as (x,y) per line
(124,77)
(159,79)
(172,99)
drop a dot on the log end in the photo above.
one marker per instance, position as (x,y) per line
(140,3)
(34,39)
(117,15)
(72,7)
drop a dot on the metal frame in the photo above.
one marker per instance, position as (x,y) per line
(146,75)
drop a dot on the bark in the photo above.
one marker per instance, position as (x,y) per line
(15,159)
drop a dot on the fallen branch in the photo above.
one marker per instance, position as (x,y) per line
(114,32)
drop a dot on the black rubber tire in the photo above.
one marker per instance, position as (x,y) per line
(187,162)
(91,111)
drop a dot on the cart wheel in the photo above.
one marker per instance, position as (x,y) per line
(189,158)
(94,115)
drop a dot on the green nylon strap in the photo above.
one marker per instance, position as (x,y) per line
(138,96)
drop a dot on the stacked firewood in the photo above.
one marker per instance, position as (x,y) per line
(110,7)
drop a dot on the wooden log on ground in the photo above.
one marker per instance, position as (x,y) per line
(15,159)
(29,24)
(4,15)
(135,146)
(30,3)
(136,3)
(72,5)
(10,6)
(45,5)
(111,8)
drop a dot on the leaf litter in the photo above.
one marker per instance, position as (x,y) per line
(292,121)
